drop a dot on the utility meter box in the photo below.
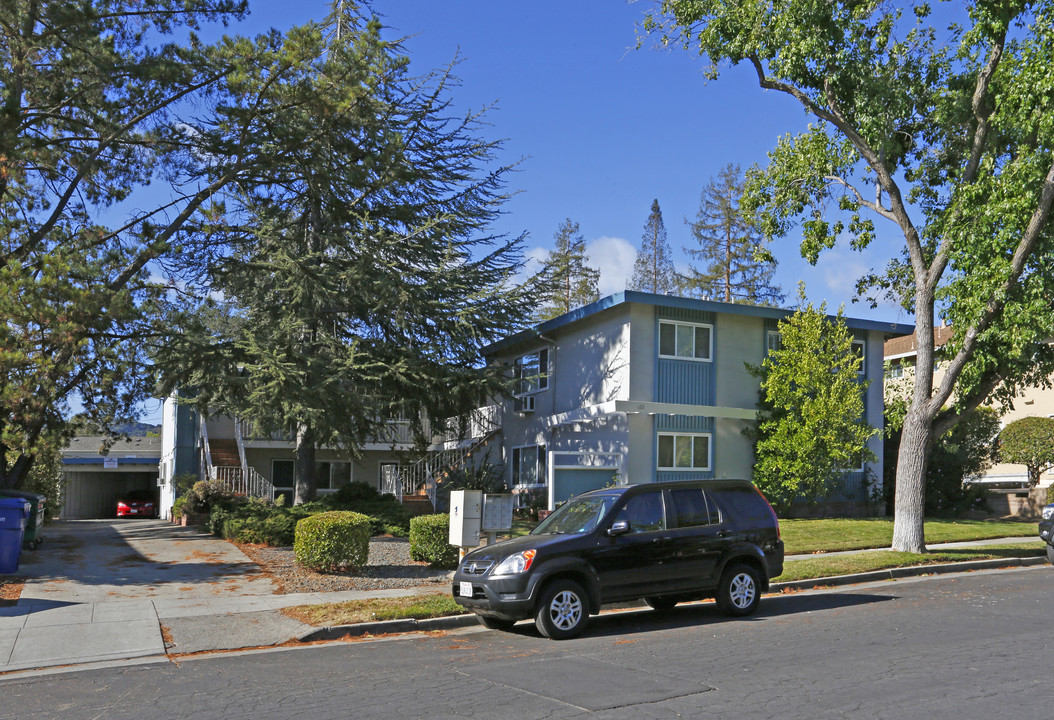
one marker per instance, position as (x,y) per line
(497,512)
(466,514)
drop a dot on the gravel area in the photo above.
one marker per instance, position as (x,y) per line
(389,566)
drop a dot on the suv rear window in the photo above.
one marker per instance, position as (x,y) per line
(745,504)
(692,509)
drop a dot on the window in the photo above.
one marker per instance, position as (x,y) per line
(859,348)
(692,508)
(773,340)
(532,372)
(684,452)
(685,341)
(331,475)
(644,513)
(894,371)
(528,466)
(283,477)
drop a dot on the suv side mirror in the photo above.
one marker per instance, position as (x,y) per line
(619,527)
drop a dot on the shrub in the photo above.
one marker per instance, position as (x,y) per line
(257,522)
(332,540)
(429,541)
(387,514)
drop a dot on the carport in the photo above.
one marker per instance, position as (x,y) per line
(92,482)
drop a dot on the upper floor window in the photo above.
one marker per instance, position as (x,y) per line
(773,340)
(532,372)
(687,341)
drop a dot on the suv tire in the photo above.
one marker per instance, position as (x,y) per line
(1050,554)
(563,610)
(738,594)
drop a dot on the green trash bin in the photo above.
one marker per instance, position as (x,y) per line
(35,523)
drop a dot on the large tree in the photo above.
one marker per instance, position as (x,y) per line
(570,281)
(653,269)
(738,264)
(360,277)
(943,131)
(90,97)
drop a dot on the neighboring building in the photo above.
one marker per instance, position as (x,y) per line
(94,480)
(639,387)
(901,356)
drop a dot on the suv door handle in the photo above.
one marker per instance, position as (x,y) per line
(724,533)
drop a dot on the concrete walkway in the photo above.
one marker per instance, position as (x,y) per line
(107,590)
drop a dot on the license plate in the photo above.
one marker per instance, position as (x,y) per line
(466,590)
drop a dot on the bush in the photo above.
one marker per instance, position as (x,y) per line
(429,541)
(387,514)
(332,540)
(257,522)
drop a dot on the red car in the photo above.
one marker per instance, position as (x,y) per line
(138,503)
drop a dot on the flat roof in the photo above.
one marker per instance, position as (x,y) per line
(676,301)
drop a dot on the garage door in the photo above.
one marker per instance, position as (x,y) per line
(577,472)
(93,495)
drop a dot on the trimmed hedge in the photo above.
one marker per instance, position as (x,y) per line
(253,522)
(430,541)
(387,514)
(333,540)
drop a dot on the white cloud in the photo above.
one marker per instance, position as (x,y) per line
(614,258)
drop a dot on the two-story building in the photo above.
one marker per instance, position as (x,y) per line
(639,387)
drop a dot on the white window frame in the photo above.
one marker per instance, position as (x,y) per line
(709,451)
(773,340)
(541,473)
(695,326)
(544,371)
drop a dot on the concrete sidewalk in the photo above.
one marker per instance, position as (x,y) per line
(52,626)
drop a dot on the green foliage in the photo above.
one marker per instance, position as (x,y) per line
(201,497)
(739,267)
(485,477)
(944,136)
(569,282)
(430,541)
(94,98)
(386,513)
(256,522)
(360,275)
(653,269)
(1030,442)
(810,427)
(965,451)
(333,540)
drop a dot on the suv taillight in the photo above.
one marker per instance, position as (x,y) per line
(774,518)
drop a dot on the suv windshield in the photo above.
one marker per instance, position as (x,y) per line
(579,515)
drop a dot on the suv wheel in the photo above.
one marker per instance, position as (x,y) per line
(563,610)
(738,593)
(494,623)
(1050,554)
(662,603)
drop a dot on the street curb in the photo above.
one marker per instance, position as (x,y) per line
(337,632)
(906,572)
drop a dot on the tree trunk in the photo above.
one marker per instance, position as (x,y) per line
(306,485)
(910,498)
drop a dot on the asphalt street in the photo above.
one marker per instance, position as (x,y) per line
(961,646)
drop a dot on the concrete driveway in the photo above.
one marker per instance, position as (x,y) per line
(84,561)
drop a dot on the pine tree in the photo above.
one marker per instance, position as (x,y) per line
(362,279)
(570,281)
(739,268)
(653,269)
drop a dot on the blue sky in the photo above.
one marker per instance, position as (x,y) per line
(601,128)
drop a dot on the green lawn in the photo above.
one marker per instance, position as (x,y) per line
(803,537)
(830,566)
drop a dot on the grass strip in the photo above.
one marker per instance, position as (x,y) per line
(821,566)
(803,537)
(352,612)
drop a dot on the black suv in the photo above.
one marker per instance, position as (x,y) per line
(666,542)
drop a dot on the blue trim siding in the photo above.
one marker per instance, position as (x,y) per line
(687,382)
